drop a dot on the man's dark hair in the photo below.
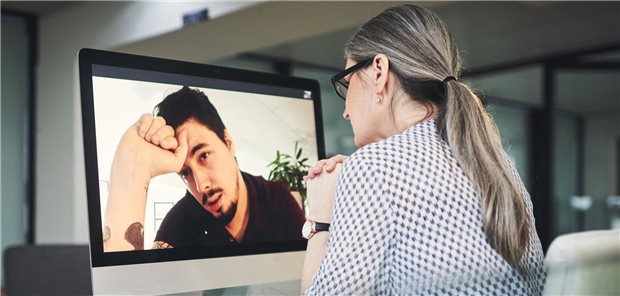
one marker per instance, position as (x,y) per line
(187,103)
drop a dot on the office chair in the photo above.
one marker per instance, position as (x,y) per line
(47,270)
(584,263)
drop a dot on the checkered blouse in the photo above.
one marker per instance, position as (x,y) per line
(406,220)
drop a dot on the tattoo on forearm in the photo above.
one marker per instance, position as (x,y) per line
(161,245)
(106,234)
(135,235)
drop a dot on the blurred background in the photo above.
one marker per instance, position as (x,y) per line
(548,71)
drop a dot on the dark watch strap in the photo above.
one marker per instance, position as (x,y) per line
(318,226)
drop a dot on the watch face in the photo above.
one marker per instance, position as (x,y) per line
(306,230)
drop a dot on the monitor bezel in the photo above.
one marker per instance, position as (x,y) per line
(89,57)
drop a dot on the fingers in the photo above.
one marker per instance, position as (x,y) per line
(327,165)
(154,129)
(316,170)
(163,132)
(181,151)
(144,124)
(169,143)
(148,125)
(157,123)
(318,167)
(331,163)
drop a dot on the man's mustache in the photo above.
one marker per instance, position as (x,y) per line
(210,193)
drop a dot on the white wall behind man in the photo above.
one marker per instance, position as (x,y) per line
(60,191)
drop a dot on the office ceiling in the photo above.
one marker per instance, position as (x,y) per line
(489,34)
(495,33)
(36,7)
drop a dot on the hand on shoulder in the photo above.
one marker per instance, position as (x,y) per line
(327,165)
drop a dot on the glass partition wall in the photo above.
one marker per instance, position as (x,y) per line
(564,139)
(17,131)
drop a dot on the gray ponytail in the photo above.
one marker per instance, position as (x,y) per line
(422,53)
(476,143)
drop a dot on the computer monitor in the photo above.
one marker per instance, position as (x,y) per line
(214,218)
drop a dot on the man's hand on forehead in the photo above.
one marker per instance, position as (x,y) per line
(155,130)
(152,147)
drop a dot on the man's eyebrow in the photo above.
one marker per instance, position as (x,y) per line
(197,147)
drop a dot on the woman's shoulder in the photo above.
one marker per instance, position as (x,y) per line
(371,155)
(418,140)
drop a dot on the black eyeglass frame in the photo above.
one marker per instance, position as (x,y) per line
(338,78)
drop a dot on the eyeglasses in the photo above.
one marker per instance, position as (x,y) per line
(340,84)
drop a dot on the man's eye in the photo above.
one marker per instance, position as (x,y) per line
(204,155)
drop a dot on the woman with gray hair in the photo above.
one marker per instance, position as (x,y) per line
(430,202)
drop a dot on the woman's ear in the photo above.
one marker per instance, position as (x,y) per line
(381,69)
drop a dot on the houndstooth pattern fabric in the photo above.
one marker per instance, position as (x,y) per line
(407,221)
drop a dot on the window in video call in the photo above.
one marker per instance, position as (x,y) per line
(225,174)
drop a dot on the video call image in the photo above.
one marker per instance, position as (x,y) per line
(200,177)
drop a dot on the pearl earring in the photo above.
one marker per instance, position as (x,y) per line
(379,99)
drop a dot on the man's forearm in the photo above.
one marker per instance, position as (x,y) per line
(124,216)
(315,252)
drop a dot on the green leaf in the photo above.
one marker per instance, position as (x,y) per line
(290,170)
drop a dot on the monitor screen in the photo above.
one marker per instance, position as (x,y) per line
(187,161)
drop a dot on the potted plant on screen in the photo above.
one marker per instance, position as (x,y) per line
(291,171)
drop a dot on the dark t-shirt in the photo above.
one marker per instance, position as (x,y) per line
(274,216)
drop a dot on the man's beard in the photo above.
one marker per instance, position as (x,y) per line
(227,214)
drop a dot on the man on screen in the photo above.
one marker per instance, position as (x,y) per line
(222,205)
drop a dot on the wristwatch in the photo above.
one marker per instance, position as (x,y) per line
(312,227)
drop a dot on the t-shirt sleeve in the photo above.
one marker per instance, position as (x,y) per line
(358,246)
(168,229)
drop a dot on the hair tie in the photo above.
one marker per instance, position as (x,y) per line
(449,78)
